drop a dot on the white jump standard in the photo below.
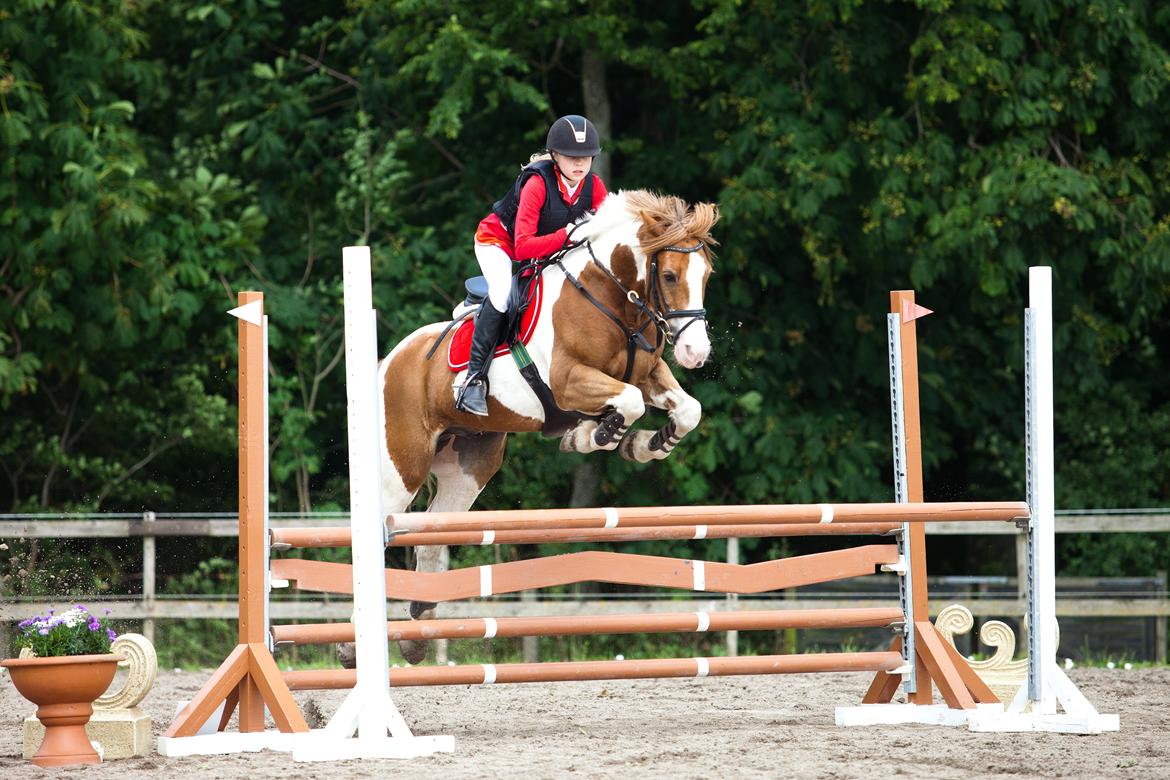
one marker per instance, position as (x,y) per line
(1047,685)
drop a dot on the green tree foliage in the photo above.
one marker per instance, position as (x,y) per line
(157,157)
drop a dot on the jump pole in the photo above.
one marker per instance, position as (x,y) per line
(1035,705)
(368,711)
(249,678)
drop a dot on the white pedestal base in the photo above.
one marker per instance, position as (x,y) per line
(1078,717)
(320,746)
(924,714)
(225,742)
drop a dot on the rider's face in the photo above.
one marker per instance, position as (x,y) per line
(573,168)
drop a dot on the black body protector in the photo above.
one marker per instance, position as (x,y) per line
(555,214)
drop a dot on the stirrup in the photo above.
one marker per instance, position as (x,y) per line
(472,397)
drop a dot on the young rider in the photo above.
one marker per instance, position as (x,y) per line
(552,191)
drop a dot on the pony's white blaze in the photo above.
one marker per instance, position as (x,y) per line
(693,347)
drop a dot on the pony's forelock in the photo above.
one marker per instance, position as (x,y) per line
(673,221)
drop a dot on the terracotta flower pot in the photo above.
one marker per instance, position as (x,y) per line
(63,688)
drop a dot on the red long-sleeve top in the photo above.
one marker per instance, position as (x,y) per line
(527,244)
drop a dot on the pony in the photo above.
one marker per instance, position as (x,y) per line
(630,282)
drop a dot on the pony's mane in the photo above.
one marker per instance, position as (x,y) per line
(667,215)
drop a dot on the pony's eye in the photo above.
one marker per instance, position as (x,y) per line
(670,277)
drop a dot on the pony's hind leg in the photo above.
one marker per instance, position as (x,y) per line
(397,496)
(461,467)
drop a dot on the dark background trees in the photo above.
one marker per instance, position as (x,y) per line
(159,156)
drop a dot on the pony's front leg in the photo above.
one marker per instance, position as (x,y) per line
(586,389)
(663,392)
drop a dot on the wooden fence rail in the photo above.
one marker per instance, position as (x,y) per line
(149,606)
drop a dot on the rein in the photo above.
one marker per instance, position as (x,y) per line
(655,310)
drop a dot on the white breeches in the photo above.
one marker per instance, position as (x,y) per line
(497,269)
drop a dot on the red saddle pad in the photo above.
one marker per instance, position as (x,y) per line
(459,349)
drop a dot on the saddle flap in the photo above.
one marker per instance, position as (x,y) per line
(521,324)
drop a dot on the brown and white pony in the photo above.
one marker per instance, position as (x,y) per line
(579,351)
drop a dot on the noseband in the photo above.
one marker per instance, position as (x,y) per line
(654,309)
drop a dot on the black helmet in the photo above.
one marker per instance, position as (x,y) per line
(573,136)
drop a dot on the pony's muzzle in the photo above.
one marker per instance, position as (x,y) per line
(691,355)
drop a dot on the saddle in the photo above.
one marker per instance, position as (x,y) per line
(524,302)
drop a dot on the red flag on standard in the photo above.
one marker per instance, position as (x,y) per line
(912,311)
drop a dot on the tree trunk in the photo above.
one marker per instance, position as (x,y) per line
(586,480)
(597,106)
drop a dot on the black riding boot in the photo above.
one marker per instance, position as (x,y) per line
(473,395)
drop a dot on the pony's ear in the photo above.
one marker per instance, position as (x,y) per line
(654,228)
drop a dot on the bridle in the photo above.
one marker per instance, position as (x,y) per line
(665,314)
(653,310)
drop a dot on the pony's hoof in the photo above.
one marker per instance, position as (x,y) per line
(413,652)
(637,446)
(347,655)
(580,438)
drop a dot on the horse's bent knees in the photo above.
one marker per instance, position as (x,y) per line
(629,403)
(686,415)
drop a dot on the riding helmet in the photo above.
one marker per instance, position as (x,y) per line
(573,136)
